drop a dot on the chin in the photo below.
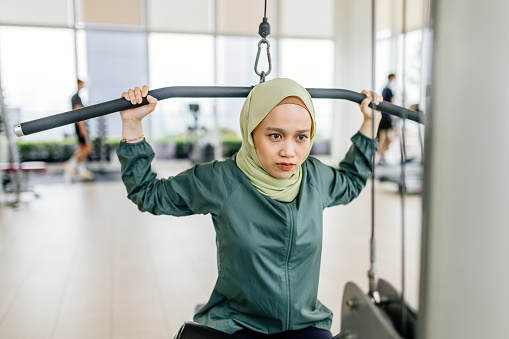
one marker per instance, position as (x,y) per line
(282,175)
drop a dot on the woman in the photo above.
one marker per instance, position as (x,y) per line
(266,205)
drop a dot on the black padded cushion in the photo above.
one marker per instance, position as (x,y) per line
(192,330)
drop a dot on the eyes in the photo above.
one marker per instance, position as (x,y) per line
(278,136)
(302,137)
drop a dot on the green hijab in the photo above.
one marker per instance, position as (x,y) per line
(260,101)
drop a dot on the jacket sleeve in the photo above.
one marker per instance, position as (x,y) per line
(341,186)
(198,190)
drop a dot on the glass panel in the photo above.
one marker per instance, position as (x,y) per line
(29,12)
(38,75)
(126,12)
(389,15)
(384,63)
(113,65)
(236,17)
(236,59)
(415,12)
(384,11)
(192,16)
(311,64)
(181,60)
(235,67)
(307,19)
(412,66)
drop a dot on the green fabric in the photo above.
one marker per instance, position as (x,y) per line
(260,101)
(268,252)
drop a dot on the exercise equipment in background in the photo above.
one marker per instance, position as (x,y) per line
(198,149)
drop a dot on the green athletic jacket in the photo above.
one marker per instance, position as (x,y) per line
(268,252)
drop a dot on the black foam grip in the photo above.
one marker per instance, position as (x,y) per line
(94,111)
(386,107)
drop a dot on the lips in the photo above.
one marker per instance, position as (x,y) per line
(286,166)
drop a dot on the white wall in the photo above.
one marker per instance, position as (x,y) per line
(47,12)
(465,249)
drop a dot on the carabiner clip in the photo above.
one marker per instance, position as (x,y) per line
(263,73)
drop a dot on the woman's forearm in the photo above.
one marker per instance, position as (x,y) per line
(132,130)
(367,128)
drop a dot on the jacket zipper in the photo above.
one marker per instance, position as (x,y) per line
(288,314)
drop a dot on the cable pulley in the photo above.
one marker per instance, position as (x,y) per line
(262,74)
(263,31)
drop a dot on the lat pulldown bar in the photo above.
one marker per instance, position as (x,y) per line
(94,111)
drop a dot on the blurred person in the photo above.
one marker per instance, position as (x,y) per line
(386,124)
(75,166)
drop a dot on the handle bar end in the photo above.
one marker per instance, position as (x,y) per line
(18,130)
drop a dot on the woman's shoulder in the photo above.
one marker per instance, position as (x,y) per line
(217,177)
(227,165)
(313,164)
(226,169)
(316,171)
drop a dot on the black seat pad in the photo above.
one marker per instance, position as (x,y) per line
(192,330)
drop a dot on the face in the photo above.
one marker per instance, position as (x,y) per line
(282,140)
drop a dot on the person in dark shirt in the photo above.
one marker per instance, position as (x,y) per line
(384,139)
(75,167)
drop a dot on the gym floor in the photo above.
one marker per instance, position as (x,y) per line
(81,261)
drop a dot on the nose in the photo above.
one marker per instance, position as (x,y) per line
(287,149)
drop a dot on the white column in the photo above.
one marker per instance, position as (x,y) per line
(465,275)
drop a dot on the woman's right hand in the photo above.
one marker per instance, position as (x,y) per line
(135,97)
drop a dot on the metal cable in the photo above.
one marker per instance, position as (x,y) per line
(373,274)
(403,172)
(263,31)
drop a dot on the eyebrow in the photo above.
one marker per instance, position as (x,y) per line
(280,130)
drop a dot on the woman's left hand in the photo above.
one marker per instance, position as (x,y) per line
(369,126)
(368,111)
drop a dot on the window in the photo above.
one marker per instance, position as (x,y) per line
(309,19)
(236,17)
(235,67)
(40,78)
(166,43)
(192,16)
(125,12)
(311,64)
(115,61)
(180,60)
(412,66)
